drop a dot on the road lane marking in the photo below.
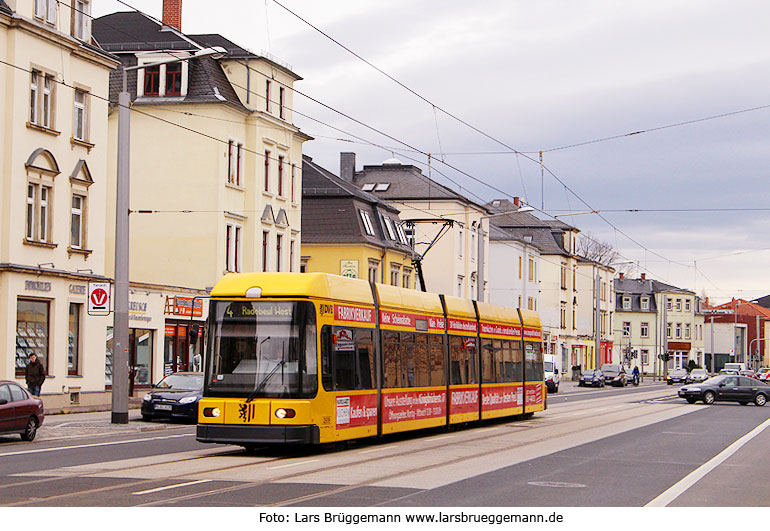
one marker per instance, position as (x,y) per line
(60,448)
(696,475)
(293,464)
(168,487)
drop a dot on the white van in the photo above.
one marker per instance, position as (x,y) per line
(735,366)
(552,373)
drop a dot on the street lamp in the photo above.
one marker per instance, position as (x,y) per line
(120,324)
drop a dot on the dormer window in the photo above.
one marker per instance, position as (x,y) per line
(174,79)
(389,227)
(81,19)
(368,187)
(367,222)
(152,81)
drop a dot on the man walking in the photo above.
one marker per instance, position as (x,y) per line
(35,375)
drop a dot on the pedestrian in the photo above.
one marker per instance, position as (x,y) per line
(635,374)
(35,375)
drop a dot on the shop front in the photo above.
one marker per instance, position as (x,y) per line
(184,334)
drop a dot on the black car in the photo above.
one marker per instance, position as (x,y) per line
(615,374)
(175,397)
(677,376)
(741,389)
(592,377)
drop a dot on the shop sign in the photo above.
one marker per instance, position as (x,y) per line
(137,311)
(78,289)
(349,268)
(34,285)
(185,306)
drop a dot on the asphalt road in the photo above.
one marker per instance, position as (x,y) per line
(592,447)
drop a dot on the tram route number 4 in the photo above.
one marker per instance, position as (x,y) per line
(98,298)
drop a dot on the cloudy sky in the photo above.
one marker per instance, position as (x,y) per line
(546,75)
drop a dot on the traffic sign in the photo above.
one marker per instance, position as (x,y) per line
(98,298)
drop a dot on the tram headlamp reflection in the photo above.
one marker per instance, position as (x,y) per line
(282,413)
(212,412)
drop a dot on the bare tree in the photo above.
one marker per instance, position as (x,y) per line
(592,248)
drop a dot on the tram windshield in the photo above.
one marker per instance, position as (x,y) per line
(262,349)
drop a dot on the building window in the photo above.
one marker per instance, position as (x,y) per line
(472,288)
(81,20)
(604,290)
(32,326)
(77,224)
(668,304)
(367,222)
(668,330)
(280,175)
(267,171)
(645,330)
(265,252)
(395,271)
(645,303)
(234,162)
(679,330)
(174,79)
(563,276)
(152,80)
(626,303)
(460,241)
(519,304)
(574,278)
(278,251)
(530,303)
(293,183)
(41,99)
(679,305)
(374,266)
(80,116)
(38,214)
(267,95)
(521,261)
(531,267)
(562,314)
(406,278)
(626,329)
(281,102)
(687,305)
(233,248)
(687,331)
(460,280)
(473,242)
(46,10)
(645,356)
(73,339)
(292,244)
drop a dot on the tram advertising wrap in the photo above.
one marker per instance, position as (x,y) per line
(314,358)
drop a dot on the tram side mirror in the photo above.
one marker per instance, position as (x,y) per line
(3,401)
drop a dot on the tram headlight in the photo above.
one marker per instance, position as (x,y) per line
(282,413)
(212,412)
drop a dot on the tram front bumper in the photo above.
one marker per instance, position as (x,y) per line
(250,434)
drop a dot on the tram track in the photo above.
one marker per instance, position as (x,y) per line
(366,457)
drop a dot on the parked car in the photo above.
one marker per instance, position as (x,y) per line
(592,377)
(697,375)
(551,370)
(729,371)
(175,397)
(20,412)
(730,387)
(749,373)
(676,376)
(615,374)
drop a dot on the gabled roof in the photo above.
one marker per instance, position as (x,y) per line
(331,211)
(545,235)
(407,182)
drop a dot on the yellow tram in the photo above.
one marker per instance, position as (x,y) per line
(309,358)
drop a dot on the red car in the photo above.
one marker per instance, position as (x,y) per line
(749,373)
(20,412)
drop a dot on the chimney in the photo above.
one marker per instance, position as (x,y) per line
(644,276)
(516,201)
(621,275)
(172,14)
(347,166)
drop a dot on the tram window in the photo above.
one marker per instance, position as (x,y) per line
(407,359)
(497,347)
(365,350)
(436,361)
(462,351)
(517,364)
(345,369)
(487,361)
(392,363)
(508,375)
(533,361)
(421,374)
